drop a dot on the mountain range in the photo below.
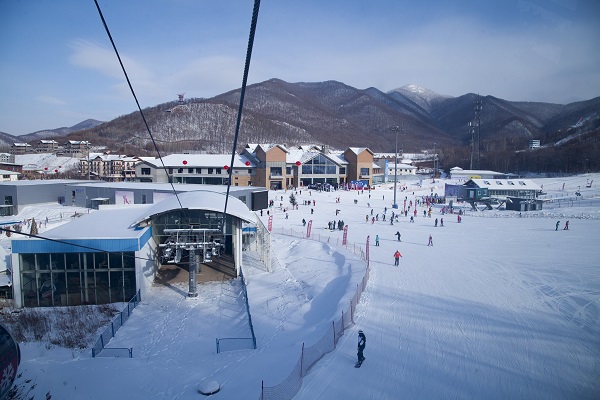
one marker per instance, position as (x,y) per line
(334,114)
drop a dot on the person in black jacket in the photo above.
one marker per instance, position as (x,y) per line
(362,341)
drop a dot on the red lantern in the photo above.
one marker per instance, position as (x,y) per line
(298,163)
(226,167)
(247,163)
(184,162)
(45,168)
(55,170)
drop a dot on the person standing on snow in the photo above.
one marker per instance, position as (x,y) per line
(430,241)
(376,240)
(362,342)
(397,256)
(557,223)
(398,235)
(566,225)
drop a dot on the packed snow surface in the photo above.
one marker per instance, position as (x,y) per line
(502,306)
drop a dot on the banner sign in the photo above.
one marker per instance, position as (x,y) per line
(345,237)
(308,228)
(123,197)
(270,226)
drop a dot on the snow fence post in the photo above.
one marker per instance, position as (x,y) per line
(302,361)
(343,322)
(262,390)
(333,325)
(351,311)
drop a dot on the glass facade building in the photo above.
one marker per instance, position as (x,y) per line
(68,279)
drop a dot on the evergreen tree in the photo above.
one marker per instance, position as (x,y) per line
(293,200)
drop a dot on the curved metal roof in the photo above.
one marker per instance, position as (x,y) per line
(199,200)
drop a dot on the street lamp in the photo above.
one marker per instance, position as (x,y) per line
(396,129)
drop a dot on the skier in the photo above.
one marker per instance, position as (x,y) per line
(397,256)
(303,222)
(398,235)
(376,240)
(441,221)
(566,226)
(436,221)
(362,342)
(557,222)
(430,241)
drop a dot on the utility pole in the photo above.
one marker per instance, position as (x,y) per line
(395,129)
(478,107)
(434,163)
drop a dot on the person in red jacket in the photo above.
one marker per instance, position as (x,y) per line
(397,256)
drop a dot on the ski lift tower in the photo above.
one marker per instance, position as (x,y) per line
(180,97)
(200,246)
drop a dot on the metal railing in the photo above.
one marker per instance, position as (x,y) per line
(114,326)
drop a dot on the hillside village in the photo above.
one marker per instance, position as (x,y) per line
(268,165)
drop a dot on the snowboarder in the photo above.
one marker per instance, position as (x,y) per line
(557,223)
(398,235)
(430,241)
(566,228)
(362,342)
(397,256)
(376,240)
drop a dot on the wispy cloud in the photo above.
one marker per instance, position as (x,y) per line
(92,56)
(50,100)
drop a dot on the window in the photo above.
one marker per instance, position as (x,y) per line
(288,170)
(180,170)
(510,183)
(342,170)
(210,170)
(522,183)
(499,183)
(218,171)
(190,170)
(8,200)
(486,182)
(146,171)
(364,171)
(276,171)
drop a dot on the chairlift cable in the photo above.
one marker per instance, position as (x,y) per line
(136,99)
(242,95)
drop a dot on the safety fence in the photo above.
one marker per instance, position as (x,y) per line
(357,249)
(230,344)
(310,355)
(111,330)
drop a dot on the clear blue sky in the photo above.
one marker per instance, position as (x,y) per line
(57,67)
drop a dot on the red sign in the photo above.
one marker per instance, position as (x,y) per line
(308,228)
(270,226)
(345,237)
